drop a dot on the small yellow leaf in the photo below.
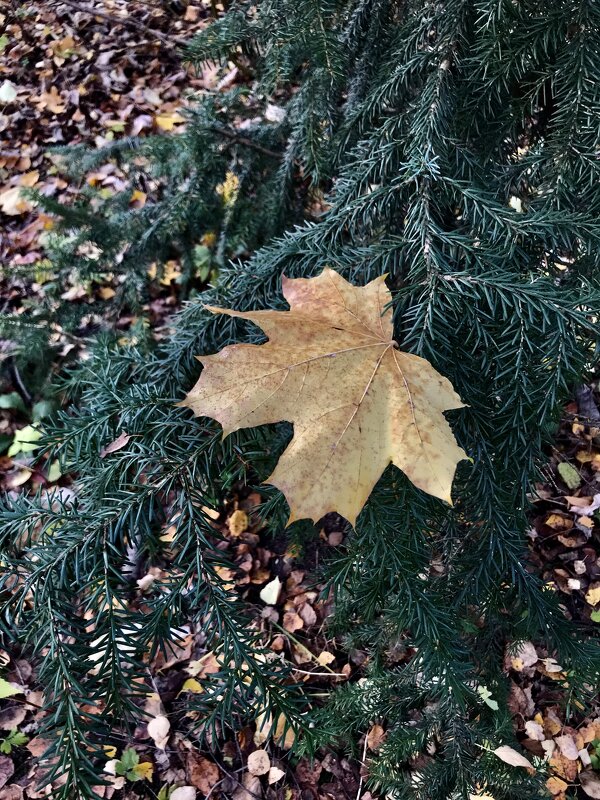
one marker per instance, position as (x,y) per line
(54,472)
(193,686)
(138,198)
(166,122)
(593,594)
(144,770)
(106,293)
(237,523)
(559,522)
(325,658)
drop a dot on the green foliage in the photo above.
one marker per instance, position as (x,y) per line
(14,739)
(457,142)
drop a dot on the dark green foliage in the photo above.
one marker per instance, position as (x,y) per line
(458,141)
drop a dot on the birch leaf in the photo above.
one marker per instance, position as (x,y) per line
(512,757)
(357,402)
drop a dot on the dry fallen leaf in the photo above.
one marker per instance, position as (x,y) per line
(375,737)
(183,793)
(524,655)
(270,592)
(510,756)
(535,731)
(12,203)
(158,730)
(566,745)
(590,783)
(357,403)
(593,594)
(7,769)
(202,773)
(275,774)
(238,523)
(120,442)
(248,789)
(556,785)
(259,762)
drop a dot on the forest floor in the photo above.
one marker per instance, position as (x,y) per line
(73,72)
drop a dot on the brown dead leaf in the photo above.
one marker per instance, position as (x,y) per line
(564,767)
(202,773)
(381,405)
(7,769)
(292,622)
(12,717)
(568,748)
(375,737)
(590,783)
(11,792)
(556,785)
(249,789)
(118,444)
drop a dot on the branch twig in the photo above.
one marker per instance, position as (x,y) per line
(236,139)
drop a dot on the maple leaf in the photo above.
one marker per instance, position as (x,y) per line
(356,401)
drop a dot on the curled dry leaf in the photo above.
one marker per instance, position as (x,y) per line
(512,757)
(158,730)
(259,762)
(357,403)
(270,592)
(12,792)
(118,444)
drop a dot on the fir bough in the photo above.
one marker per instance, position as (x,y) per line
(458,143)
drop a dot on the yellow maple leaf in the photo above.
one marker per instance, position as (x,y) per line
(356,401)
